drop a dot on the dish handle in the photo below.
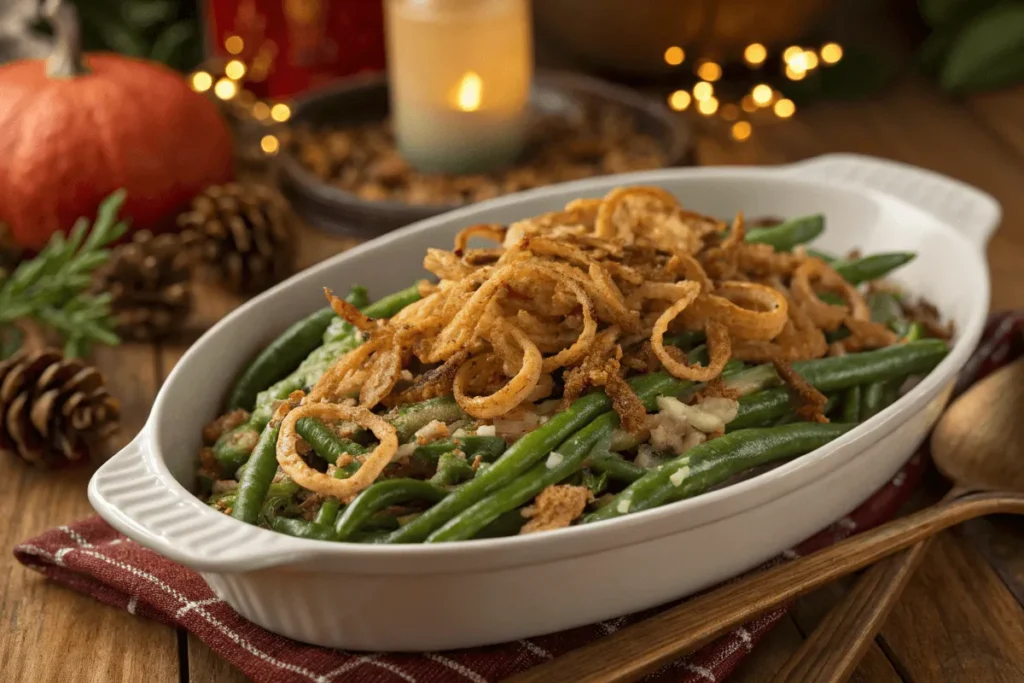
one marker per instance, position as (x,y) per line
(134,499)
(973,213)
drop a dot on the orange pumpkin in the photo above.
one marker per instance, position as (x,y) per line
(75,128)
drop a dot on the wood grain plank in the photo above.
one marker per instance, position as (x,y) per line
(50,633)
(956,621)
(206,666)
(811,609)
(1000,540)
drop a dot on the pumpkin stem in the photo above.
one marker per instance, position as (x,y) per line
(65,61)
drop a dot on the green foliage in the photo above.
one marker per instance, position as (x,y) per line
(974,44)
(53,288)
(166,31)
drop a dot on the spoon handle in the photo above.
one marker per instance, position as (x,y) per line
(641,648)
(838,643)
(835,647)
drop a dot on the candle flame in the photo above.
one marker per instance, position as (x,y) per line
(470,90)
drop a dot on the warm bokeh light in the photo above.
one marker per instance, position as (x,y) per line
(470,92)
(708,106)
(674,55)
(679,100)
(791,52)
(748,104)
(261,111)
(785,108)
(831,53)
(234,44)
(730,112)
(280,112)
(795,74)
(703,90)
(201,81)
(709,71)
(234,70)
(811,60)
(755,54)
(741,130)
(225,89)
(270,144)
(762,94)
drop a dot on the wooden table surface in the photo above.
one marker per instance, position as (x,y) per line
(960,620)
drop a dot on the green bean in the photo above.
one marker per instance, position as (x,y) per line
(385,494)
(328,511)
(760,409)
(616,467)
(339,327)
(280,500)
(330,447)
(525,452)
(891,393)
(872,267)
(391,304)
(885,308)
(842,372)
(487,447)
(851,405)
(827,258)
(871,400)
(234,447)
(524,488)
(597,483)
(913,332)
(686,340)
(714,462)
(452,468)
(785,236)
(408,419)
(837,373)
(300,528)
(325,442)
(279,358)
(507,524)
(252,489)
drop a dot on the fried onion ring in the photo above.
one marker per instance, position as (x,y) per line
(718,342)
(491,231)
(344,489)
(509,396)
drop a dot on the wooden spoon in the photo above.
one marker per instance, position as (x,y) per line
(981,437)
(979,444)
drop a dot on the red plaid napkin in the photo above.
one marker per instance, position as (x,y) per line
(91,557)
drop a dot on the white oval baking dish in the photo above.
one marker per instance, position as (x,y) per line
(430,597)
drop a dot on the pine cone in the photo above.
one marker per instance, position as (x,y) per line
(52,408)
(148,282)
(244,235)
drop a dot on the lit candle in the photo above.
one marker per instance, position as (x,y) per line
(460,81)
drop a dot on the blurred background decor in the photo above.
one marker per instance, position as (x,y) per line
(79,125)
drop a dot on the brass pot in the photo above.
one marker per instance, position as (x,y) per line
(631,36)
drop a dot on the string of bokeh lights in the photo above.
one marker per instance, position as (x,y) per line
(796,62)
(230,87)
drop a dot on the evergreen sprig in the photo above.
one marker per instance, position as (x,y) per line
(53,288)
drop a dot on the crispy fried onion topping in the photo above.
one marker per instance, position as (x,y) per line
(345,489)
(584,297)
